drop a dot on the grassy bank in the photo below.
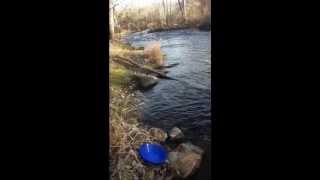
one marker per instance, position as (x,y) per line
(126,131)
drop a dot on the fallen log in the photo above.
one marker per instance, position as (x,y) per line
(129,64)
(171,65)
(168,66)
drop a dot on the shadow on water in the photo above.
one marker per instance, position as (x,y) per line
(185,103)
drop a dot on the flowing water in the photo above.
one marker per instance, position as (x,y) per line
(185,103)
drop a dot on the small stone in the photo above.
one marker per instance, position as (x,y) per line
(158,134)
(134,163)
(176,134)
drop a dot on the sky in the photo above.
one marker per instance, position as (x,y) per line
(138,3)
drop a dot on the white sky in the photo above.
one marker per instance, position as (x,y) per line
(139,3)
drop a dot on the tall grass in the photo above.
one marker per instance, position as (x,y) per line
(152,53)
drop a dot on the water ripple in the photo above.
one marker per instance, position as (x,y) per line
(186,102)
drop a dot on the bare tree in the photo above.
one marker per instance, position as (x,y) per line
(111,22)
(170,12)
(112,17)
(165,11)
(182,6)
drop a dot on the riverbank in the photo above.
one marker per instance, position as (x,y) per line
(126,132)
(201,27)
(205,26)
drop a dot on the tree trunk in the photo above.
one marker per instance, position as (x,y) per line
(182,9)
(184,5)
(164,9)
(111,24)
(167,12)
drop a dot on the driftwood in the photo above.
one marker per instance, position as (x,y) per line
(168,66)
(171,65)
(129,64)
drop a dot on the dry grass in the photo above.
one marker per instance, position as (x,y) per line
(126,133)
(127,51)
(117,48)
(126,136)
(152,53)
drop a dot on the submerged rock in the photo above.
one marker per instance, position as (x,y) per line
(158,134)
(176,134)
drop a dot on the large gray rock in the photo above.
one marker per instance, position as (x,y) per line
(185,159)
(158,134)
(173,156)
(145,81)
(185,164)
(176,134)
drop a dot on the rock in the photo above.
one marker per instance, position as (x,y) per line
(173,157)
(158,134)
(186,164)
(176,134)
(185,159)
(134,163)
(169,177)
(146,82)
(189,147)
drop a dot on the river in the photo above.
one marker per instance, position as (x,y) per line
(185,103)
